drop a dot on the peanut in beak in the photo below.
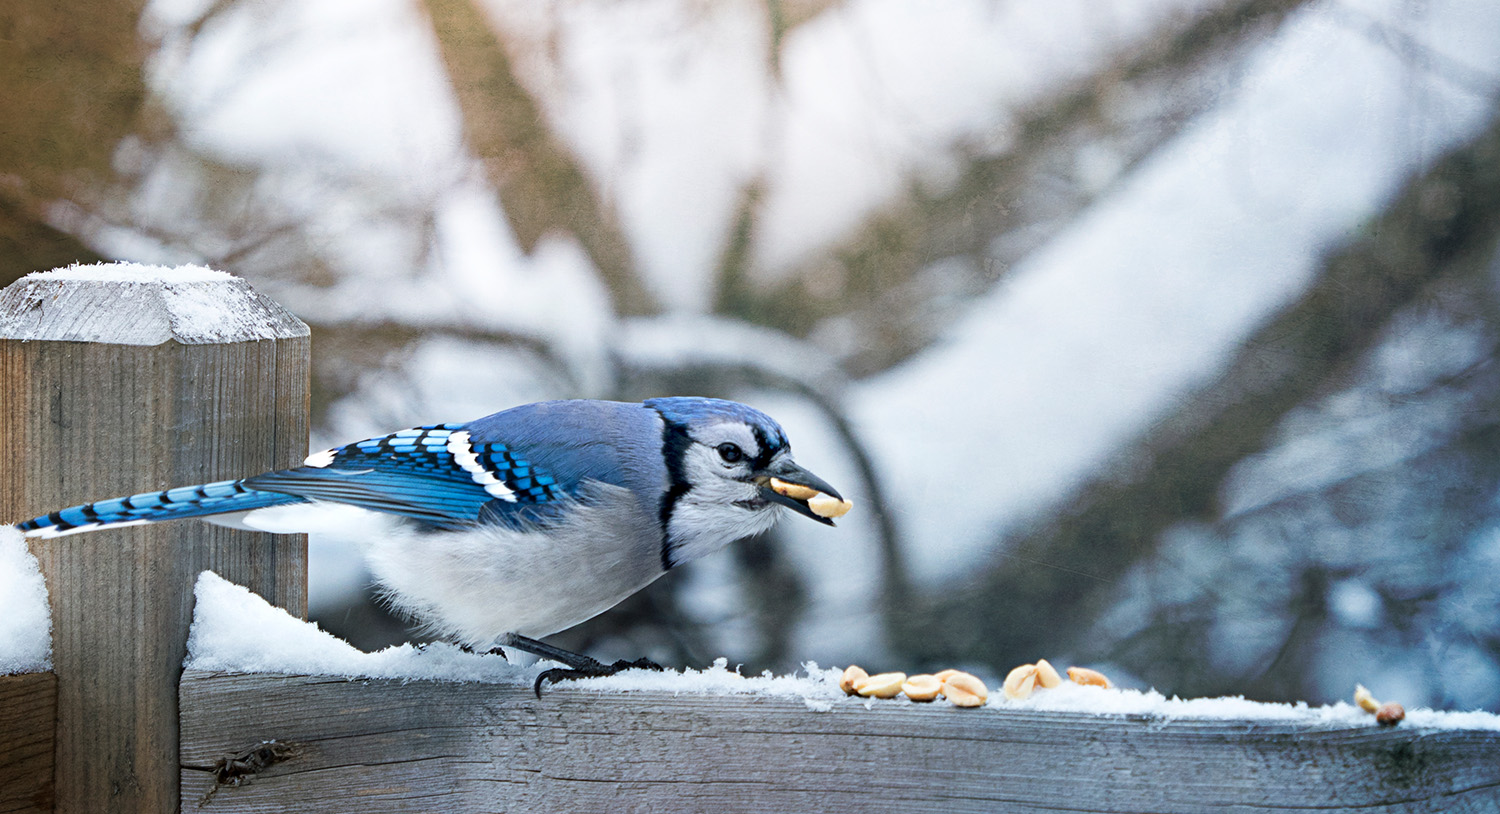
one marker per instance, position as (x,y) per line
(795,491)
(821,505)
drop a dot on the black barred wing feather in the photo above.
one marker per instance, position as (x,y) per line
(434,474)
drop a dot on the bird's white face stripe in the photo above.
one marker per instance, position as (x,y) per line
(463,455)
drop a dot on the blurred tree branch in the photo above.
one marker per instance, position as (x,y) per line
(1445,222)
(785,15)
(541,186)
(1002,206)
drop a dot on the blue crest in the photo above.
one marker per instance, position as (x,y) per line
(689,410)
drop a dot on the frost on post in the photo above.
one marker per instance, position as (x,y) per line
(197,306)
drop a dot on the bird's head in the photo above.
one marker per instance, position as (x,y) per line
(729,467)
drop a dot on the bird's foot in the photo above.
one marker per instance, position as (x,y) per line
(590,669)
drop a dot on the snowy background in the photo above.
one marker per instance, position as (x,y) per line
(1149,334)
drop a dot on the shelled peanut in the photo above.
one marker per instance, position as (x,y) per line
(922,687)
(963,689)
(1087,677)
(960,688)
(1046,675)
(1387,714)
(880,685)
(1021,682)
(853,674)
(820,504)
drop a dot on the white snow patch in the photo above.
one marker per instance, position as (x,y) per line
(219,311)
(134,273)
(190,304)
(235,630)
(818,687)
(25,622)
(1100,701)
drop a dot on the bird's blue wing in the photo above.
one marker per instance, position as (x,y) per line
(513,467)
(438,474)
(578,441)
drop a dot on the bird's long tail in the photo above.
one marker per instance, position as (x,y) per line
(223,497)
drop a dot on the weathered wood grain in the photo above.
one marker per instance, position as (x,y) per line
(414,746)
(28,714)
(113,388)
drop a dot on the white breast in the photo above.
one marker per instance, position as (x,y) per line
(478,584)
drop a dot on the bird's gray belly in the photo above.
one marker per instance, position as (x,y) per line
(478,584)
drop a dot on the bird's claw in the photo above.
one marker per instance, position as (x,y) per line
(593,670)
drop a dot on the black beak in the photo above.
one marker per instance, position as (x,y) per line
(788,471)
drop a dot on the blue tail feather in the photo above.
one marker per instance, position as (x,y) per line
(222,497)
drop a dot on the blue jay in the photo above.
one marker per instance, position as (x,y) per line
(515,526)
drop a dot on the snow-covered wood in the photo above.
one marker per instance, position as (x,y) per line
(398,746)
(119,383)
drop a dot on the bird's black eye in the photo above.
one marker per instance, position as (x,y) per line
(731,453)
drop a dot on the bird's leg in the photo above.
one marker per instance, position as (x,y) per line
(579,665)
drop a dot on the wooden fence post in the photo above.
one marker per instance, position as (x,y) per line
(28,724)
(116,380)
